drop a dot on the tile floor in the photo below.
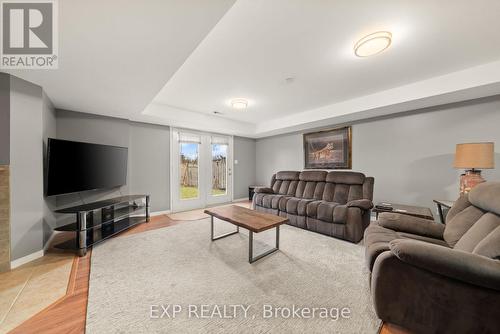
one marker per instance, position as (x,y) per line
(30,288)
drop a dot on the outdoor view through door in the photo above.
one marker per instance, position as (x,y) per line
(202,173)
(189,171)
(219,169)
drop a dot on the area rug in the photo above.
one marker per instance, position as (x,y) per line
(175,280)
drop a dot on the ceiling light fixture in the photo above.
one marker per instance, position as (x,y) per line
(373,44)
(239,104)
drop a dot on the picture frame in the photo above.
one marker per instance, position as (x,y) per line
(328,149)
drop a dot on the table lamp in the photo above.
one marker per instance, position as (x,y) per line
(473,157)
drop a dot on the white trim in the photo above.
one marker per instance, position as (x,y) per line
(205,199)
(240,199)
(231,162)
(171,172)
(467,84)
(25,259)
(159,213)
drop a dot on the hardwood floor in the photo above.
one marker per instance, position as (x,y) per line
(68,315)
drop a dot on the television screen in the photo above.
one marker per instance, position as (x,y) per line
(75,166)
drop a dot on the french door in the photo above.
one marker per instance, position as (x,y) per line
(201,169)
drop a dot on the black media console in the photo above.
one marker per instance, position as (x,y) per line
(100,220)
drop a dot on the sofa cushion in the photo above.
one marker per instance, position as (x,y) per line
(258,197)
(288,187)
(368,188)
(325,211)
(364,204)
(484,226)
(486,196)
(460,224)
(287,176)
(263,190)
(355,193)
(341,194)
(377,240)
(271,201)
(310,189)
(328,212)
(490,245)
(346,177)
(313,175)
(460,204)
(297,206)
(312,209)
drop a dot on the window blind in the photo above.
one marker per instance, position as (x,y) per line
(189,138)
(219,140)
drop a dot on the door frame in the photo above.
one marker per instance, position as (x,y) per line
(174,160)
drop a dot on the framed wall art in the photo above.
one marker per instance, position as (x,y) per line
(329,149)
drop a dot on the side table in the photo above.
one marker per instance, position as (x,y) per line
(251,191)
(443,207)
(410,210)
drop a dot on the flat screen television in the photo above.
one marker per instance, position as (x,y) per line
(75,166)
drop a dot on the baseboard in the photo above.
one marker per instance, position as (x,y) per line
(159,213)
(25,259)
(240,199)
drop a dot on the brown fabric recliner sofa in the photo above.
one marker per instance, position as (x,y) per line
(333,203)
(433,278)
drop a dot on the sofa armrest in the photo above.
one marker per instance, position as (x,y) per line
(263,190)
(363,204)
(459,265)
(409,224)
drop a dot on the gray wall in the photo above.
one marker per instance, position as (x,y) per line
(410,156)
(244,171)
(4,119)
(93,129)
(148,156)
(149,163)
(26,163)
(48,131)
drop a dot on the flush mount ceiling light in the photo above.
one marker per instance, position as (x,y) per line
(373,44)
(239,104)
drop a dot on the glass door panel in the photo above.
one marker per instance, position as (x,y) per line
(189,171)
(201,173)
(219,169)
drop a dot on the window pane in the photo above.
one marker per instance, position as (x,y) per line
(189,170)
(219,169)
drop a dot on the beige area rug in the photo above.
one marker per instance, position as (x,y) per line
(134,278)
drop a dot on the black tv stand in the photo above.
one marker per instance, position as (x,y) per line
(98,221)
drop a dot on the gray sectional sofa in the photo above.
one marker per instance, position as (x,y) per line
(435,278)
(333,203)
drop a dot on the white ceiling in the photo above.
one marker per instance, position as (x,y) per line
(260,43)
(115,56)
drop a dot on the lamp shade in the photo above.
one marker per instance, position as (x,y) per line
(475,155)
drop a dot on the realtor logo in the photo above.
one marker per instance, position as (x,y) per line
(29,34)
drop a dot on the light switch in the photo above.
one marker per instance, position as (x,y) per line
(235,162)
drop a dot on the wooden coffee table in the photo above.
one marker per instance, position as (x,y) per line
(253,221)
